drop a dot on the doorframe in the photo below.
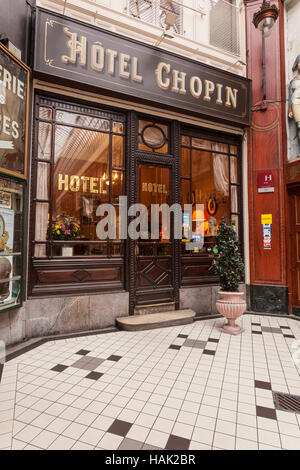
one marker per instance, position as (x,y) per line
(170,160)
(291,190)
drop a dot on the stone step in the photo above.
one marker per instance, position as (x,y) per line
(156,320)
(154,308)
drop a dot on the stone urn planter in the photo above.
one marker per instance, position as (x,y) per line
(229,266)
(231,305)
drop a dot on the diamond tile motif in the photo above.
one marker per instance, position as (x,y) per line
(178,388)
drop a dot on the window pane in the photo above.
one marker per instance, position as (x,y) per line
(235,223)
(185,162)
(81,179)
(152,136)
(235,198)
(185,140)
(117,151)
(185,192)
(45,113)
(201,144)
(118,127)
(43,181)
(44,141)
(233,170)
(83,120)
(233,149)
(40,251)
(210,187)
(41,221)
(117,186)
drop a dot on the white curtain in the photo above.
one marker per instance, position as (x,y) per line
(220,165)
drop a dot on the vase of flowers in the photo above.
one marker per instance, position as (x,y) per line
(66,228)
(230,268)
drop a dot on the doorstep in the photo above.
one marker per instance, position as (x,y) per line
(156,320)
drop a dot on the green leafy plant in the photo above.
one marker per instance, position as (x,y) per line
(228,265)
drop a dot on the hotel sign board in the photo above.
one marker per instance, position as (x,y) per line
(71,50)
(14,93)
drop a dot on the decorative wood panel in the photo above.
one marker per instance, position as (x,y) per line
(77,276)
(267,149)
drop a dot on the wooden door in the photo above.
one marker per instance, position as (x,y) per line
(154,257)
(295,247)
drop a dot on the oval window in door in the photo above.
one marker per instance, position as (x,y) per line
(154,136)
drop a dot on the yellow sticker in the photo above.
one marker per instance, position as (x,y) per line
(266,218)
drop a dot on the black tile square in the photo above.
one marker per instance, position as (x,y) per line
(264,412)
(255,324)
(174,346)
(262,385)
(289,336)
(256,332)
(285,327)
(83,352)
(94,376)
(120,428)
(182,336)
(177,443)
(208,352)
(59,368)
(213,340)
(114,358)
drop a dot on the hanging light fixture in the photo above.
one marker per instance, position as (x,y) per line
(264,20)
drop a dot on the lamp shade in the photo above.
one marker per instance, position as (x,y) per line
(266,17)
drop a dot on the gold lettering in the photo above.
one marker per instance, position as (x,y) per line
(161,82)
(85,180)
(75,183)
(63,182)
(76,47)
(209,89)
(196,87)
(97,57)
(123,65)
(94,185)
(135,76)
(111,61)
(219,93)
(178,80)
(231,97)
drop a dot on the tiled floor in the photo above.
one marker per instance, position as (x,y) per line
(187,387)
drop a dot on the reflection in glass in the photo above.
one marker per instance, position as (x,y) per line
(40,251)
(153,137)
(44,141)
(233,170)
(118,127)
(234,199)
(82,120)
(43,181)
(117,151)
(41,221)
(45,113)
(185,162)
(11,241)
(81,170)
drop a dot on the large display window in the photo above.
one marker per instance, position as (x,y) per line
(14,95)
(210,176)
(79,164)
(11,242)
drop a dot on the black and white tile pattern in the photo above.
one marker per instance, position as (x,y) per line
(178,388)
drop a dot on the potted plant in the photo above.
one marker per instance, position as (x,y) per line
(67,228)
(230,268)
